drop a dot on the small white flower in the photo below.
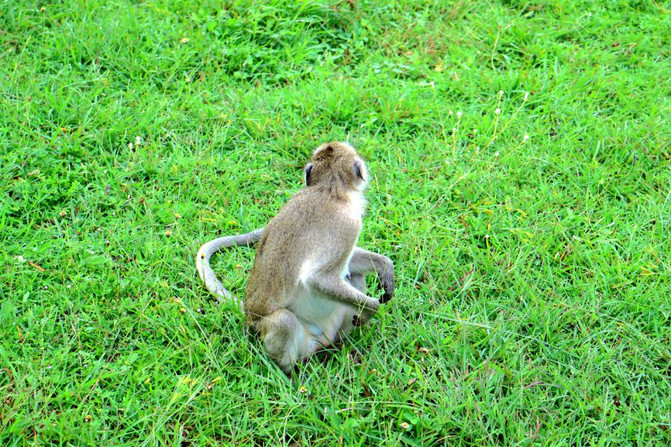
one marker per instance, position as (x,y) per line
(496,154)
(497,111)
(138,140)
(526,95)
(500,92)
(526,137)
(459,114)
(130,146)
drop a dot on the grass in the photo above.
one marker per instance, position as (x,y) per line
(533,273)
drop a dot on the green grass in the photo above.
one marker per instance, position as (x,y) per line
(533,276)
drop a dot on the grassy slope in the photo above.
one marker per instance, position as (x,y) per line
(533,276)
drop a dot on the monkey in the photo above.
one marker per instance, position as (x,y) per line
(306,289)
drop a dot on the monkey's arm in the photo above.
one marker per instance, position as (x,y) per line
(364,262)
(340,290)
(209,248)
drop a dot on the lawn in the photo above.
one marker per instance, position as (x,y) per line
(520,163)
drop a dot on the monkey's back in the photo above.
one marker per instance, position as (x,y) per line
(314,230)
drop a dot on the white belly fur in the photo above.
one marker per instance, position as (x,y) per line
(322,318)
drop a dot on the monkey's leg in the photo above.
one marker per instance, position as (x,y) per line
(285,339)
(364,262)
(352,319)
(358,281)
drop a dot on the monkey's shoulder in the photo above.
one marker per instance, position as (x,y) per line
(310,219)
(315,202)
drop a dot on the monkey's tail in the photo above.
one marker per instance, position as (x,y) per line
(208,249)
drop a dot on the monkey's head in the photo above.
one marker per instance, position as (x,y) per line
(338,163)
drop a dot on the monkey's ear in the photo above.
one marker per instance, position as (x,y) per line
(308,170)
(358,170)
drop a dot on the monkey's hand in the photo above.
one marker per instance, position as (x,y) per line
(364,317)
(386,279)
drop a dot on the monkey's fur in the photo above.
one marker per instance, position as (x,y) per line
(307,286)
